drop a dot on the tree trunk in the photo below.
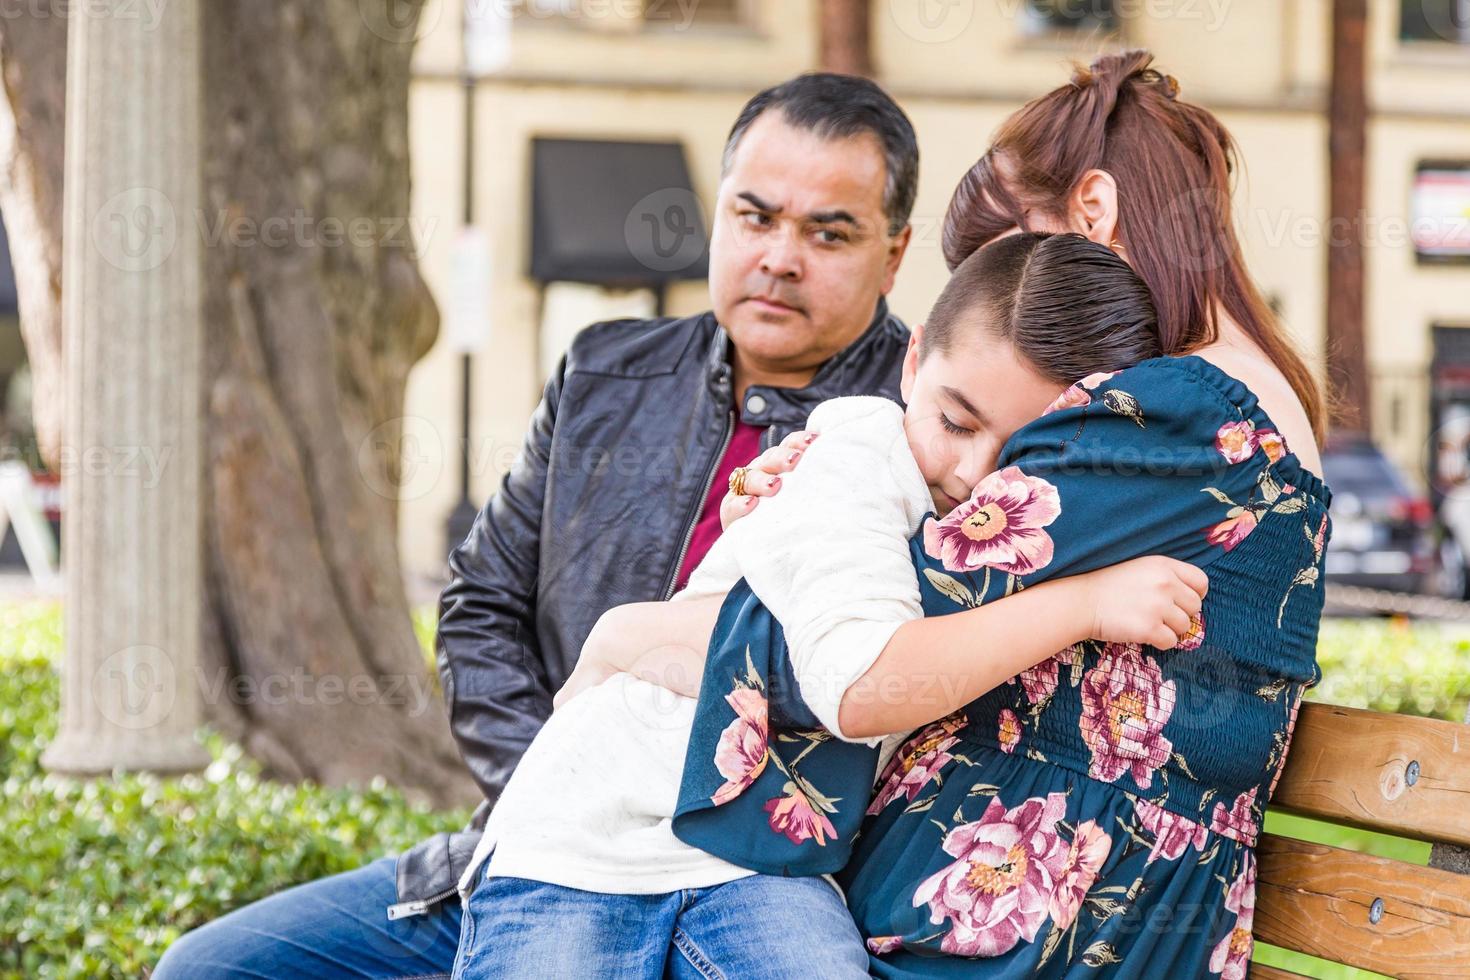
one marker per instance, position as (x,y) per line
(314,313)
(33,70)
(1347,359)
(846,37)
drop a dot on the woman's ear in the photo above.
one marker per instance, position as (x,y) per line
(910,364)
(1093,208)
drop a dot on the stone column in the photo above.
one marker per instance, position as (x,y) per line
(131,460)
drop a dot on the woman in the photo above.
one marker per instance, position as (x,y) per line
(1098,815)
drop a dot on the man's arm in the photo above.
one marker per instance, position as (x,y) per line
(490,660)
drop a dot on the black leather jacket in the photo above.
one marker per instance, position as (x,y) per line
(597,511)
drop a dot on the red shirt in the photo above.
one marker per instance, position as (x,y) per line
(745,445)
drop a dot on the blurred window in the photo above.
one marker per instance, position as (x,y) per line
(1445,21)
(1050,17)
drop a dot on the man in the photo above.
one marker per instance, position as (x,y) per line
(615,496)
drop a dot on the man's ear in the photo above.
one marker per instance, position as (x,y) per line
(1093,208)
(896,250)
(910,364)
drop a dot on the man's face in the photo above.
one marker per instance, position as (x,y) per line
(801,248)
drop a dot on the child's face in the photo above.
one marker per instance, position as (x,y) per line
(963,406)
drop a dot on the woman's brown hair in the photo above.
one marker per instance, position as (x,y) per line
(1172,162)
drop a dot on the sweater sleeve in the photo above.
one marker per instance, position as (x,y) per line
(829,556)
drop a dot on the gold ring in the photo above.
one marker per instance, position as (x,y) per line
(737,480)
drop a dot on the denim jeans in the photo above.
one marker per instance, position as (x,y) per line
(752,928)
(335,927)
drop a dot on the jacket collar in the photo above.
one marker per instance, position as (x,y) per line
(766,405)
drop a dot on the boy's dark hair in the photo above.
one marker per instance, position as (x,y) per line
(835,106)
(1070,306)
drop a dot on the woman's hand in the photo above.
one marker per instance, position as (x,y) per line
(764,478)
(1149,601)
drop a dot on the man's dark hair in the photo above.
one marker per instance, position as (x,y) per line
(834,106)
(1070,306)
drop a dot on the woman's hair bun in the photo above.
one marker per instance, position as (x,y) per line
(1108,74)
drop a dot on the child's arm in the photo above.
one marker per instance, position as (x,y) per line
(663,643)
(937,665)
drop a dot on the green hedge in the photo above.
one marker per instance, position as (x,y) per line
(98,877)
(1395,666)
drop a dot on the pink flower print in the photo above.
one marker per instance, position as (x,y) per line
(1073,397)
(1236,441)
(1233,530)
(741,753)
(1232,955)
(1272,442)
(1125,704)
(1237,823)
(917,761)
(1000,526)
(1010,731)
(1090,847)
(1040,681)
(1172,832)
(794,816)
(878,945)
(997,891)
(1093,380)
(1196,635)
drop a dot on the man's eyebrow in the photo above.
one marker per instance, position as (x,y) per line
(963,402)
(829,217)
(832,217)
(758,203)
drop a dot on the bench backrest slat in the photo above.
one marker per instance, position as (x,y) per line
(1321,900)
(1391,773)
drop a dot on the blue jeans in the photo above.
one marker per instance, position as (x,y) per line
(338,927)
(335,927)
(752,928)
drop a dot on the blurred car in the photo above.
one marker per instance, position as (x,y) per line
(1384,534)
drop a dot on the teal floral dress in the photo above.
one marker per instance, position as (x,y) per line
(1095,816)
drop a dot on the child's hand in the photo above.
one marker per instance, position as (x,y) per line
(1148,601)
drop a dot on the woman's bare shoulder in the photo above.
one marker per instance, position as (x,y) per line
(1251,367)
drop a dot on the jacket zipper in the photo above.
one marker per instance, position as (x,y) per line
(709,480)
(403,910)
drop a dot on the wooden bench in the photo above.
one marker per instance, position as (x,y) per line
(1405,776)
